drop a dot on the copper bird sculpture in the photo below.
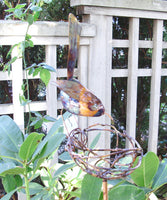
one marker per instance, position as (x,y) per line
(75,97)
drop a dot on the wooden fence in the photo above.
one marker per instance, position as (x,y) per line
(101,14)
(95,59)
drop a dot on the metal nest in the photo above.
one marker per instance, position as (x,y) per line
(107,164)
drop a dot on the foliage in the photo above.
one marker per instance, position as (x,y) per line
(22,157)
(57,11)
(142,184)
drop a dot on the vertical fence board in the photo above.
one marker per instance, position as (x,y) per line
(108,92)
(17,81)
(97,70)
(83,76)
(132,77)
(51,91)
(155,85)
(108,80)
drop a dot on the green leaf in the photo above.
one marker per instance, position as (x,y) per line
(126,192)
(6,166)
(11,138)
(36,16)
(30,19)
(14,171)
(40,195)
(49,118)
(7,66)
(63,168)
(29,146)
(52,137)
(123,162)
(18,180)
(37,114)
(65,156)
(143,175)
(33,65)
(34,121)
(35,8)
(28,37)
(91,188)
(8,4)
(161,175)
(19,13)
(45,76)
(19,6)
(31,71)
(9,183)
(38,163)
(95,141)
(13,60)
(36,71)
(35,188)
(8,195)
(48,67)
(23,100)
(53,143)
(38,124)
(11,49)
(10,10)
(76,193)
(31,44)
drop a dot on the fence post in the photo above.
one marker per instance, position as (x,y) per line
(17,81)
(51,92)
(97,70)
(132,78)
(155,85)
(83,76)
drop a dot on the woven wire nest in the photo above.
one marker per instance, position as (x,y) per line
(107,164)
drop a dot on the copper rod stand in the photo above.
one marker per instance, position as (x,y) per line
(105,190)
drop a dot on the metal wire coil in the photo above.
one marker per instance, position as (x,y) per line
(107,164)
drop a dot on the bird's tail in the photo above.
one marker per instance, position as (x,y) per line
(74,38)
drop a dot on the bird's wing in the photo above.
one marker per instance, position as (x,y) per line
(77,91)
(71,88)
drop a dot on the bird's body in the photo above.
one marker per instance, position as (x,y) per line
(79,100)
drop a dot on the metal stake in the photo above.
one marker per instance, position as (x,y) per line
(105,190)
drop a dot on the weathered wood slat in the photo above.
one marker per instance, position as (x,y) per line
(51,92)
(132,77)
(83,76)
(47,40)
(155,86)
(17,81)
(56,29)
(154,5)
(125,44)
(122,12)
(6,109)
(34,106)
